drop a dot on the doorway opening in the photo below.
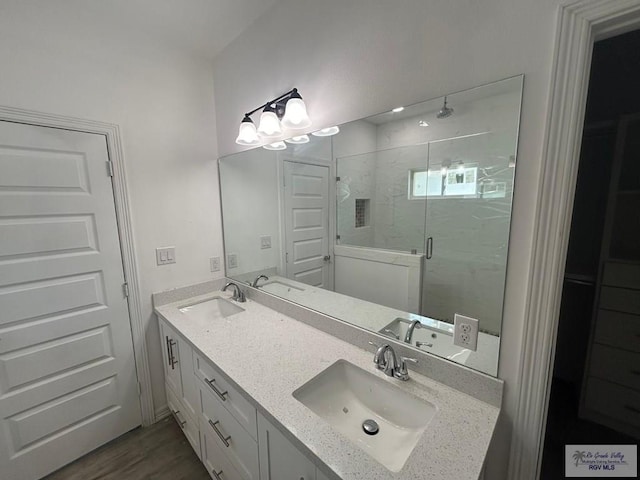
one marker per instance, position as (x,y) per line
(595,390)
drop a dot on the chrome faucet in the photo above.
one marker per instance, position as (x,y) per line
(415,324)
(255,282)
(385,359)
(238,295)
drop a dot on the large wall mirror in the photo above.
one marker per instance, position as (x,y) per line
(395,223)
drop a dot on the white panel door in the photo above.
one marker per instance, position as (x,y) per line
(306,206)
(67,372)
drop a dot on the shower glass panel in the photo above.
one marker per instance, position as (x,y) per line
(467,227)
(381,199)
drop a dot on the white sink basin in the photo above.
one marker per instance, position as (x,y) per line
(214,308)
(345,396)
(279,288)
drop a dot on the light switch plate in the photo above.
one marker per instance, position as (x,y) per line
(232,260)
(165,255)
(265,241)
(465,332)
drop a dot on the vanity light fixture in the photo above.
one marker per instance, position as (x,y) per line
(397,110)
(275,146)
(298,140)
(327,132)
(269,126)
(287,110)
(248,135)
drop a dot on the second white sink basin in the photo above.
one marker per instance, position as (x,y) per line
(345,396)
(213,308)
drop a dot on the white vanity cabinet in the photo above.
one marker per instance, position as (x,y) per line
(279,459)
(231,438)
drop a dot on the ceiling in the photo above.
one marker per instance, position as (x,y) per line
(204,27)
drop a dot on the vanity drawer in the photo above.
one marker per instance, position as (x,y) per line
(611,400)
(617,366)
(190,427)
(618,329)
(215,460)
(227,396)
(229,435)
(620,299)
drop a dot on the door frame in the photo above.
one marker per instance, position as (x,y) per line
(331,209)
(580,25)
(115,153)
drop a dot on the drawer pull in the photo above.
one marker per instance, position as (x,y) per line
(218,475)
(218,392)
(632,409)
(172,358)
(224,439)
(175,415)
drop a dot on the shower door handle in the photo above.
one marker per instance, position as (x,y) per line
(429,252)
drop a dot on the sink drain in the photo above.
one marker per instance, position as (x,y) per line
(370,427)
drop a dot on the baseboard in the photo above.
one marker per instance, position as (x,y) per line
(161,413)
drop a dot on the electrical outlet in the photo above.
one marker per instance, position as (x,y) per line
(214,262)
(165,255)
(465,332)
(232,260)
(265,241)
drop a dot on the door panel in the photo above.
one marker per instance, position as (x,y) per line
(306,202)
(67,371)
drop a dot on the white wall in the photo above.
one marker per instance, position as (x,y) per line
(56,62)
(353,59)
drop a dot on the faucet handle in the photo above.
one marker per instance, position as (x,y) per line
(402,373)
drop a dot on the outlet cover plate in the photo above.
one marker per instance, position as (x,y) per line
(465,332)
(232,260)
(214,263)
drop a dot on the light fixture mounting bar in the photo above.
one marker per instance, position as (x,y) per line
(274,101)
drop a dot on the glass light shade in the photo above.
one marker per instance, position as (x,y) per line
(327,132)
(247,134)
(299,140)
(275,146)
(295,114)
(269,124)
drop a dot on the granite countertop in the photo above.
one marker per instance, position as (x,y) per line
(269,355)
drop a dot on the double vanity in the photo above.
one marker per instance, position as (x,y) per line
(268,390)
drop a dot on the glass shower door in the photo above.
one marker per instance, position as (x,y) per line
(467,217)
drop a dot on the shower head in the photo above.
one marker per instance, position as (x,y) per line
(444,111)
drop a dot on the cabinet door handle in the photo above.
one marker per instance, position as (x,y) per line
(224,439)
(215,389)
(168,350)
(173,360)
(175,415)
(218,475)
